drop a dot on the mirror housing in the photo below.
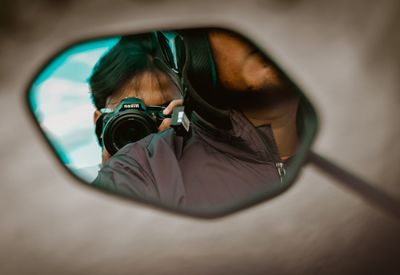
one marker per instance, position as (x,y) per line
(196,78)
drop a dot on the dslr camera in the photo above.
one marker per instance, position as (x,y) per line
(131,121)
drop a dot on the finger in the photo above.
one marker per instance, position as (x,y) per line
(105,156)
(165,124)
(174,103)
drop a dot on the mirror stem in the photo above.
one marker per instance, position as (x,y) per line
(365,190)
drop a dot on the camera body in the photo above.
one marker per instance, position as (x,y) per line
(130,121)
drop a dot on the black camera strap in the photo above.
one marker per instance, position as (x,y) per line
(202,79)
(99,129)
(191,57)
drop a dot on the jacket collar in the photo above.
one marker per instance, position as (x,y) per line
(243,141)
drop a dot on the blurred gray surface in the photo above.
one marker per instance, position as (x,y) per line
(343,53)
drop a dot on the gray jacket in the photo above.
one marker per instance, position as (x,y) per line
(212,167)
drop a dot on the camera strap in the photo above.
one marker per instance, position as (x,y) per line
(188,53)
(99,129)
(200,75)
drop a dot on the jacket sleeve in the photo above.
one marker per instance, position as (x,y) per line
(124,174)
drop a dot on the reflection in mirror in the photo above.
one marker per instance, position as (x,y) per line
(196,120)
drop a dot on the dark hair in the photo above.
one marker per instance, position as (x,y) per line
(132,55)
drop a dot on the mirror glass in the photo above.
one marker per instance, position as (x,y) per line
(61,102)
(197,121)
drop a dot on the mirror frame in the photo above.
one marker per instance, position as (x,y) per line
(301,158)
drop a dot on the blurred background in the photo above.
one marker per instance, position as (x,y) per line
(345,56)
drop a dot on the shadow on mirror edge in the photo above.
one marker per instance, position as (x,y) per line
(196,121)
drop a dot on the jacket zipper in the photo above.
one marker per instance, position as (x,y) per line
(280,167)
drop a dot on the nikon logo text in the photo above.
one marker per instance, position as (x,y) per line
(133,105)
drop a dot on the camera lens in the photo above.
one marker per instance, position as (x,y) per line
(127,127)
(129,131)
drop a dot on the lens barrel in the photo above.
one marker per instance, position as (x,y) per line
(127,127)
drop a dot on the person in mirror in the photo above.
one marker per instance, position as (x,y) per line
(131,70)
(215,167)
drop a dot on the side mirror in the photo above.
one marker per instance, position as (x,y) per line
(251,127)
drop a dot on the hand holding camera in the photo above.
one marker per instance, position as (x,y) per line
(131,121)
(166,123)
